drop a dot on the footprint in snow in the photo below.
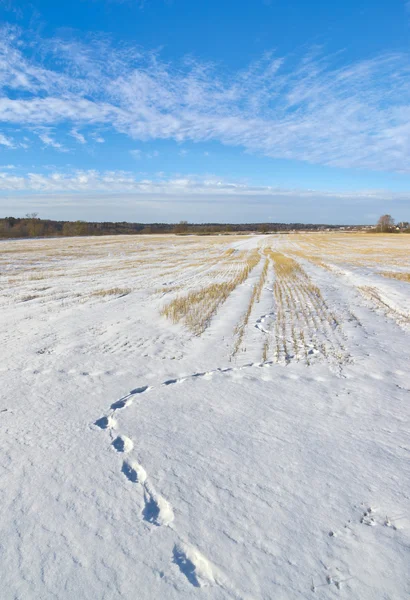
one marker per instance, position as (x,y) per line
(157,510)
(196,568)
(121,404)
(106,423)
(123,444)
(134,472)
(140,390)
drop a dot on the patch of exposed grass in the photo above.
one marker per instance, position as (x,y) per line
(387,250)
(197,307)
(37,277)
(256,295)
(394,275)
(112,292)
(304,323)
(167,289)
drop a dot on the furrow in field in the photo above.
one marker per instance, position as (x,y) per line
(304,328)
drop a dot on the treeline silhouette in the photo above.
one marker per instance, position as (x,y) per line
(29,227)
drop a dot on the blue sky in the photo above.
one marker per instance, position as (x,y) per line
(162,110)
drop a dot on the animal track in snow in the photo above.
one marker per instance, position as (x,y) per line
(259,323)
(371,519)
(333,577)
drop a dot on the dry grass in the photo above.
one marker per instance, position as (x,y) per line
(141,263)
(167,289)
(37,277)
(394,275)
(304,325)
(112,292)
(136,256)
(256,295)
(196,308)
(265,350)
(357,249)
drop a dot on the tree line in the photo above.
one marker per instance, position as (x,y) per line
(32,226)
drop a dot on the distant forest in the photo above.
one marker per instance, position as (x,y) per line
(32,226)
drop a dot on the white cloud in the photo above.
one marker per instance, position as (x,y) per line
(78,136)
(5,141)
(94,135)
(107,182)
(138,154)
(49,141)
(115,195)
(357,115)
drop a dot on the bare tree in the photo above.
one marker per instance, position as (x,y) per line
(385,224)
(182,227)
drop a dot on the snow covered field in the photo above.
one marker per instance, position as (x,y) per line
(205,417)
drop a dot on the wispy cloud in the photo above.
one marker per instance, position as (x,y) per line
(47,140)
(5,141)
(138,154)
(97,138)
(92,181)
(354,115)
(114,195)
(78,136)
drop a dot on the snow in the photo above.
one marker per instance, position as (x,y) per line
(142,461)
